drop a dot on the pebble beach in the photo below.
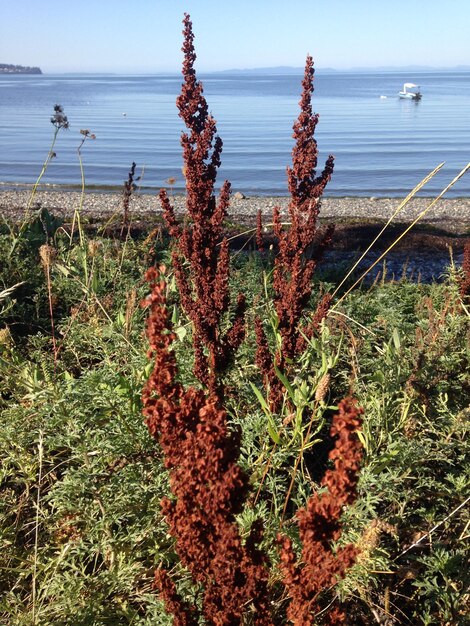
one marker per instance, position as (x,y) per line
(424,256)
(451,215)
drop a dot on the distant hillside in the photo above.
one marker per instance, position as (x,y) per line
(6,68)
(299,70)
(264,70)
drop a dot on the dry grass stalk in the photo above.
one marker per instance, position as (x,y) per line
(47,256)
(399,208)
(36,528)
(6,293)
(415,221)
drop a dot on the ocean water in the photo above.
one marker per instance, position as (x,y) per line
(383,146)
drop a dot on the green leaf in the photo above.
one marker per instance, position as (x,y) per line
(64,270)
(261,399)
(271,425)
(180,332)
(396,339)
(286,383)
(273,432)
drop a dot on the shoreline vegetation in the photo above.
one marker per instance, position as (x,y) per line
(423,255)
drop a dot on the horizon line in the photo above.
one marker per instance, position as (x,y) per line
(277,69)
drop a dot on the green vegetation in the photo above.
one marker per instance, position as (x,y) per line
(81,479)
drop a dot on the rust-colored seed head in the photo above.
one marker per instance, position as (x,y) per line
(465,281)
(300,245)
(200,254)
(320,526)
(207,485)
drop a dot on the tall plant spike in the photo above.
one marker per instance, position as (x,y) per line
(300,246)
(200,254)
(207,485)
(304,186)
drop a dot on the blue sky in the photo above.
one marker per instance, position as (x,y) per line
(145,35)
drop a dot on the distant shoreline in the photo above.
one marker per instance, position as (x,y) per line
(268,71)
(7,68)
(287,70)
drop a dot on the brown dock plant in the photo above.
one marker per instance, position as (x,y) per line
(464,283)
(321,565)
(201,453)
(208,488)
(200,255)
(301,246)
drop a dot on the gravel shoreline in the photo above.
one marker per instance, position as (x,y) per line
(451,215)
(424,254)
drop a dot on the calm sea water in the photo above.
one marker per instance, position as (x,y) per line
(383,146)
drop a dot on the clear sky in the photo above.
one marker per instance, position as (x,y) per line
(145,35)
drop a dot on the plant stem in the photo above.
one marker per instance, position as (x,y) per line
(420,216)
(36,529)
(43,171)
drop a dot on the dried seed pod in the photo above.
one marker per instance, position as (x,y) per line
(47,255)
(322,389)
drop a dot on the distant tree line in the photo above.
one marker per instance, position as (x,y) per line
(6,68)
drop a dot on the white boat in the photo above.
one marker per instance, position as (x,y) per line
(410,92)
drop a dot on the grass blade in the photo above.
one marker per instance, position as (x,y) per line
(415,221)
(401,206)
